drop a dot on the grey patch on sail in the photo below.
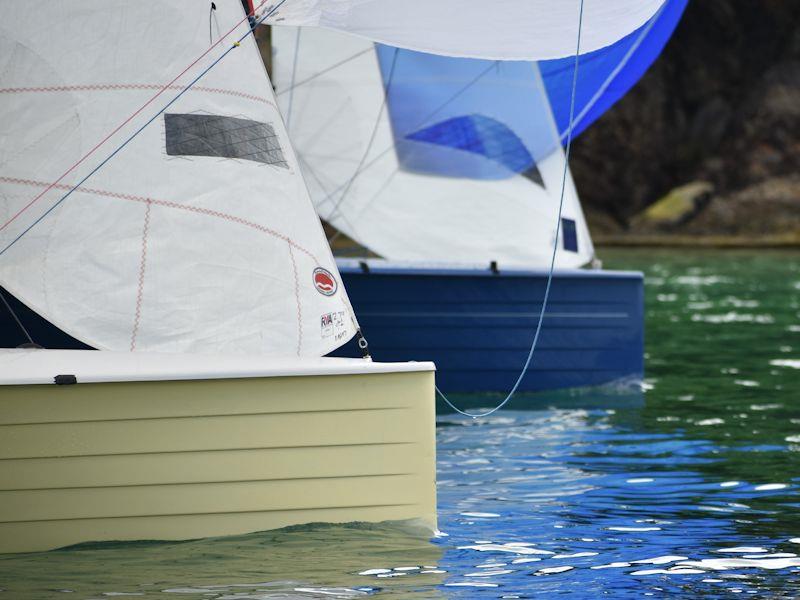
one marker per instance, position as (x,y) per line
(225,137)
(533,174)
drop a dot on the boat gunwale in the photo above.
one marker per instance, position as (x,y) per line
(40,366)
(354,266)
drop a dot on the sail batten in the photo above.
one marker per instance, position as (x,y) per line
(199,236)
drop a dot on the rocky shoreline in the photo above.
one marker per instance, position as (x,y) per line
(765,214)
(705,149)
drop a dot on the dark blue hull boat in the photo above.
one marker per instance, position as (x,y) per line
(477,324)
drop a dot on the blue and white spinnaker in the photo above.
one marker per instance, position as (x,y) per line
(421,157)
(607,74)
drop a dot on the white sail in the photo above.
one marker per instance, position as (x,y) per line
(199,235)
(403,213)
(501,29)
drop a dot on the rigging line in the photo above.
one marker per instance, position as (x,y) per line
(125,122)
(555,246)
(438,109)
(307,168)
(294,73)
(369,203)
(233,46)
(16,318)
(386,89)
(324,71)
(452,98)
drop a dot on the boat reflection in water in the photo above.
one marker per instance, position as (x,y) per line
(306,561)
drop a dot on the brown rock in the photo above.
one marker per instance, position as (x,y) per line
(722,104)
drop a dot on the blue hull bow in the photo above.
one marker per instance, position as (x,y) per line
(477,325)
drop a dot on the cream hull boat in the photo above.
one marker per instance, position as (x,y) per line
(162,447)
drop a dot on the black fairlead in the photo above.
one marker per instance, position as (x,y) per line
(363,345)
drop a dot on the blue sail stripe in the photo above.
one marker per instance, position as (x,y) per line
(480,135)
(607,74)
(492,119)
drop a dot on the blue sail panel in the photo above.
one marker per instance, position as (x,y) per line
(469,118)
(480,135)
(606,75)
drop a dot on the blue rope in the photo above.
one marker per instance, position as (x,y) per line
(555,247)
(138,131)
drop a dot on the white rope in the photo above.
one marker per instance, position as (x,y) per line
(555,247)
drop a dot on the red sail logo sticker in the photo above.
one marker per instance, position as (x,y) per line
(325,282)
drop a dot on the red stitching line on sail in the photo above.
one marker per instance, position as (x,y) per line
(105,87)
(297,298)
(168,204)
(142,265)
(126,121)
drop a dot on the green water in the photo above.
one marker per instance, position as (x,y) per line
(690,491)
(723,364)
(723,352)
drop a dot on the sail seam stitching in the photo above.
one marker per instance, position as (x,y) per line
(297,301)
(166,203)
(133,86)
(142,267)
(129,119)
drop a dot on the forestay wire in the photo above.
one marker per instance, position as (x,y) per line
(555,247)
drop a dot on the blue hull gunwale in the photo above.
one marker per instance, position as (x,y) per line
(477,324)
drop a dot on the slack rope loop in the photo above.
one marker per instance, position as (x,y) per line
(555,247)
(191,84)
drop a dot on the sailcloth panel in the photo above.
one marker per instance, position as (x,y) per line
(199,235)
(465,164)
(501,29)
(606,75)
